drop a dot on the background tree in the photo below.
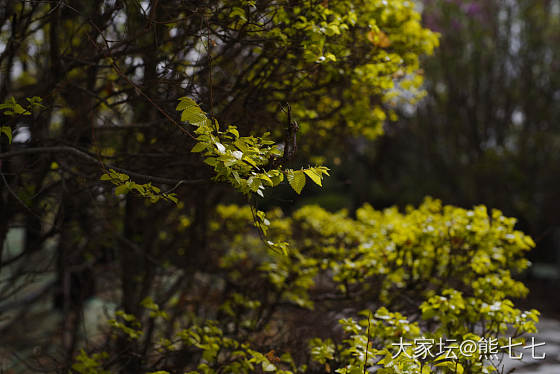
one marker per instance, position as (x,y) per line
(487,129)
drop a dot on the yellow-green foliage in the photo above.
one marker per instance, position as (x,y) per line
(12,109)
(449,269)
(90,364)
(438,273)
(241,161)
(219,352)
(370,49)
(125,185)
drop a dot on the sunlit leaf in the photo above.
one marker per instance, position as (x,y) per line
(6,130)
(297,180)
(313,176)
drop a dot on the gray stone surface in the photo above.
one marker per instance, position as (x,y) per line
(549,333)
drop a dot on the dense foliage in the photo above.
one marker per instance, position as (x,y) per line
(137,179)
(445,269)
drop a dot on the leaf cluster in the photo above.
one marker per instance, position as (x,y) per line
(241,160)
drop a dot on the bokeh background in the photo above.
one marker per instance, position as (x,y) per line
(487,131)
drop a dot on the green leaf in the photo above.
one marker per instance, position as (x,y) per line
(277,179)
(140,188)
(254,184)
(221,148)
(199,147)
(149,303)
(330,56)
(18,109)
(267,366)
(314,176)
(122,189)
(455,367)
(265,178)
(250,161)
(236,177)
(192,113)
(240,143)
(428,313)
(121,176)
(212,161)
(321,170)
(297,180)
(8,131)
(234,131)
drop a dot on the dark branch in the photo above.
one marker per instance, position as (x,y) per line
(92,159)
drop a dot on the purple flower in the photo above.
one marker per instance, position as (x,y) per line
(473,9)
(432,22)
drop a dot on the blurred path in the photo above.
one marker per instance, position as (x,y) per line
(549,333)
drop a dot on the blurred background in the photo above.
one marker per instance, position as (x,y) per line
(487,131)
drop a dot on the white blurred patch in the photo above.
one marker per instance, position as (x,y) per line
(517,118)
(22,135)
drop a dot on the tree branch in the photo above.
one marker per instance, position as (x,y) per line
(90,158)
